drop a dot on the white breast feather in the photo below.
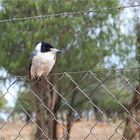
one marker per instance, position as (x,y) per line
(42,64)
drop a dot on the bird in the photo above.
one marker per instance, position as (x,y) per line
(42,60)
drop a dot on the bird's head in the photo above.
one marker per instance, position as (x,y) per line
(46,47)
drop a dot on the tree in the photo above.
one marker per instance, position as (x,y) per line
(2,100)
(134,107)
(26,100)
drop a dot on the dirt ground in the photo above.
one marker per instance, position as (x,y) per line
(79,131)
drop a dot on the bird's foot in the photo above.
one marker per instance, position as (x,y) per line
(37,79)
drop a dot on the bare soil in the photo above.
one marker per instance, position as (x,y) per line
(79,131)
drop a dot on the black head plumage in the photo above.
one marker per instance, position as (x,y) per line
(45,47)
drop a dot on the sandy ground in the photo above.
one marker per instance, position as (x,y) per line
(79,131)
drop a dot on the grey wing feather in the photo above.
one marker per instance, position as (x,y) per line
(32,55)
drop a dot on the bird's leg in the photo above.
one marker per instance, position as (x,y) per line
(46,78)
(39,78)
(36,79)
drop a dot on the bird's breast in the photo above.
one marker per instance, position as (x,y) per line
(42,63)
(44,58)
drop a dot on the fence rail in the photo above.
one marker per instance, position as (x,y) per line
(92,105)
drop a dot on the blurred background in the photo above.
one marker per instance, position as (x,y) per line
(92,92)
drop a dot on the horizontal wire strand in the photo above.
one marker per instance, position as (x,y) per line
(69,13)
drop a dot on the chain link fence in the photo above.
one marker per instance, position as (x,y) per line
(84,105)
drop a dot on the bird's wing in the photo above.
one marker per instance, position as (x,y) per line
(33,53)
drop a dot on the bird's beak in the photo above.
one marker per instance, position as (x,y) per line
(55,50)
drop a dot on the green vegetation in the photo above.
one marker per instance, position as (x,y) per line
(86,39)
(2,101)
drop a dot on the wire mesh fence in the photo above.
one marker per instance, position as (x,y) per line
(92,105)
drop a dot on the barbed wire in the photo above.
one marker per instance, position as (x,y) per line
(66,14)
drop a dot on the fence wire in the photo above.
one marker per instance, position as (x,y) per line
(88,105)
(69,14)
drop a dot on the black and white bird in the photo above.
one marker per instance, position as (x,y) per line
(42,60)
